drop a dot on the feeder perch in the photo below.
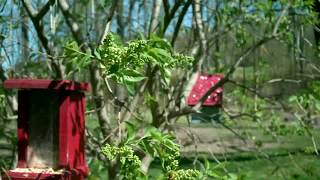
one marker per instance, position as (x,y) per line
(51,130)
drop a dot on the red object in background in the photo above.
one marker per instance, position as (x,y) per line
(203,83)
(66,116)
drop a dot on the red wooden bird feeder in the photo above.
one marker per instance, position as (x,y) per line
(51,130)
(203,83)
(212,104)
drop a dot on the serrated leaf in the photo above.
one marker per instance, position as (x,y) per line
(130,75)
(161,43)
(133,79)
(132,72)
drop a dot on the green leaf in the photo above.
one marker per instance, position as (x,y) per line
(131,72)
(131,129)
(165,75)
(145,145)
(292,98)
(317,104)
(97,54)
(130,75)
(133,79)
(160,43)
(130,87)
(160,55)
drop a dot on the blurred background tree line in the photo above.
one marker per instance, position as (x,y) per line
(268,51)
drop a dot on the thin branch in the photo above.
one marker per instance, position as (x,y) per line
(154,23)
(233,68)
(36,20)
(95,75)
(187,110)
(169,14)
(179,22)
(284,80)
(43,11)
(283,13)
(203,50)
(108,21)
(31,12)
(73,26)
(166,7)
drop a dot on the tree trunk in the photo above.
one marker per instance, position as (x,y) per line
(24,36)
(201,34)
(154,22)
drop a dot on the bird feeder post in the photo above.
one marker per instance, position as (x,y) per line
(210,109)
(51,130)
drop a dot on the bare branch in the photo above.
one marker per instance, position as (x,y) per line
(284,80)
(179,22)
(169,14)
(187,110)
(108,21)
(39,28)
(234,67)
(37,15)
(31,12)
(34,16)
(200,31)
(155,16)
(166,6)
(95,75)
(43,11)
(283,13)
(73,26)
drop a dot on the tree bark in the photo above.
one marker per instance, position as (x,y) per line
(154,22)
(179,22)
(36,18)
(201,34)
(24,36)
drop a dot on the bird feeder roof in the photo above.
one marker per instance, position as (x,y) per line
(46,84)
(203,83)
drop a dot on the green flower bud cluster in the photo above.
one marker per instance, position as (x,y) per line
(129,163)
(134,53)
(182,60)
(184,174)
(116,59)
(159,145)
(170,158)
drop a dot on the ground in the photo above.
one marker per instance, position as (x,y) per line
(286,157)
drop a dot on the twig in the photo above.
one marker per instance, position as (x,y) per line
(108,21)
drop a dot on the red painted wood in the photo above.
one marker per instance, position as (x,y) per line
(71,124)
(76,147)
(65,175)
(23,114)
(64,129)
(46,84)
(29,176)
(72,132)
(203,83)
